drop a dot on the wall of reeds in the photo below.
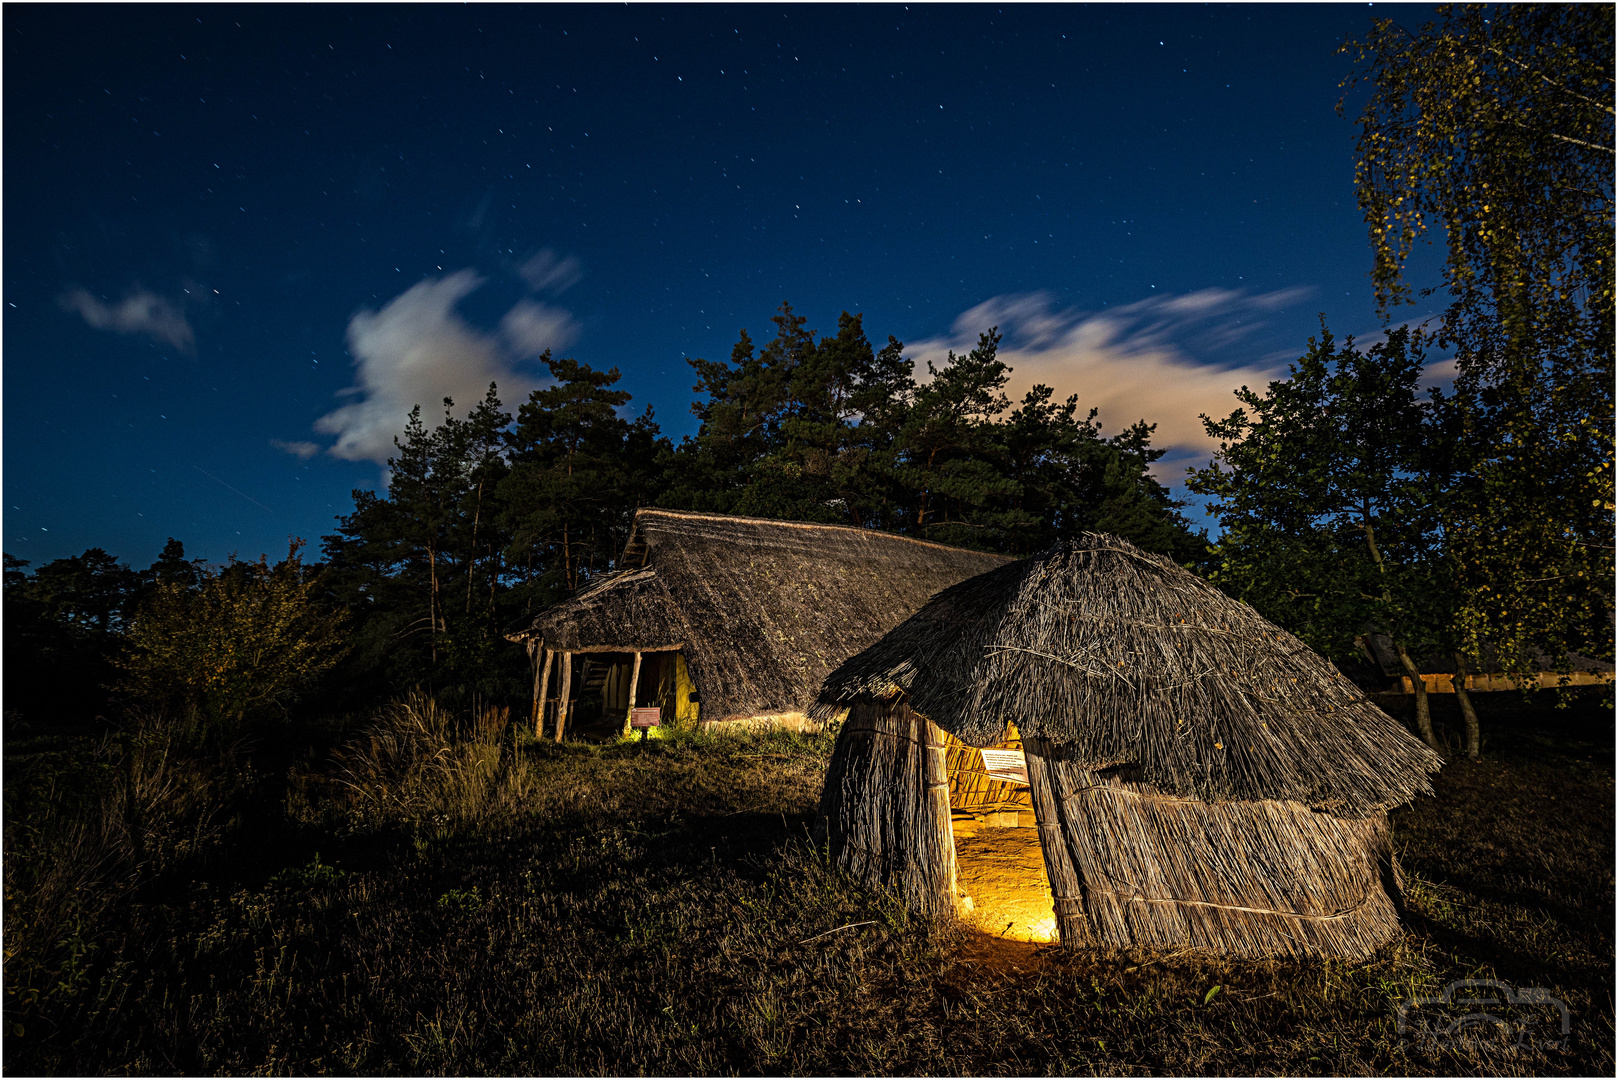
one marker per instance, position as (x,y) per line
(1248,879)
(885,807)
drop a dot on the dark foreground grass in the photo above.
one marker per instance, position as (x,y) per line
(480,906)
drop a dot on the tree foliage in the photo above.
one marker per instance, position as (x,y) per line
(246,638)
(1495,123)
(833,430)
(1323,490)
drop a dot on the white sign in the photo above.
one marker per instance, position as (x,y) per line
(1008,765)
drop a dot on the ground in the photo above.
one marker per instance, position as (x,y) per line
(476,902)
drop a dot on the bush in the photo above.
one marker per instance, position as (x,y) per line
(246,638)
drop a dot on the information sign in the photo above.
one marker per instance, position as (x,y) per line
(1008,765)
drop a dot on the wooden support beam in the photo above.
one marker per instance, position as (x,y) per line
(567,688)
(634,681)
(937,819)
(542,680)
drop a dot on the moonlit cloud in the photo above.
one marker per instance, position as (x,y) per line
(547,271)
(1149,359)
(301,450)
(140,312)
(417,351)
(530,328)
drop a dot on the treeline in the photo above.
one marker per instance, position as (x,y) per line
(488,515)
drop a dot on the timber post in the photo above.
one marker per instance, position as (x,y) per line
(935,767)
(542,679)
(563,702)
(634,681)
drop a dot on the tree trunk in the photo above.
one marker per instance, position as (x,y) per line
(1424,716)
(432,600)
(562,702)
(472,557)
(567,560)
(1468,714)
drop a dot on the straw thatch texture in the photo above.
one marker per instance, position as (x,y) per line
(1249,879)
(1123,658)
(761,609)
(627,611)
(886,817)
(1200,779)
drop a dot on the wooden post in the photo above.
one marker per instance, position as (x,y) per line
(542,680)
(935,767)
(1067,888)
(634,681)
(563,701)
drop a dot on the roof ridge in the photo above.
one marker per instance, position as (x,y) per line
(701,515)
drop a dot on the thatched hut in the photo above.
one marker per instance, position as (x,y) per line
(1199,778)
(718,618)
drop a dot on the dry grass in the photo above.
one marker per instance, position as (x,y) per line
(655,908)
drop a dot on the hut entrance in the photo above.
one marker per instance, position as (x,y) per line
(999,864)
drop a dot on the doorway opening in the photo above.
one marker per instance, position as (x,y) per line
(999,864)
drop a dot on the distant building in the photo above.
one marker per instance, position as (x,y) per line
(714,618)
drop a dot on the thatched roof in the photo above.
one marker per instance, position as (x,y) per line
(1125,660)
(762,609)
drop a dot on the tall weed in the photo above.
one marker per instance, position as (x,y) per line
(84,825)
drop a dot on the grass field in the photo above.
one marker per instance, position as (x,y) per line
(442,896)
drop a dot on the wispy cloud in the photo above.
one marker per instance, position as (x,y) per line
(1159,359)
(546,271)
(417,350)
(530,328)
(140,312)
(301,450)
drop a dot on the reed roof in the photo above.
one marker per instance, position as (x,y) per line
(1126,660)
(762,609)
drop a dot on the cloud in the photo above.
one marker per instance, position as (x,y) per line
(301,450)
(530,328)
(1161,359)
(417,350)
(140,312)
(545,270)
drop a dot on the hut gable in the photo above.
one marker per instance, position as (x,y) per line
(1131,663)
(761,609)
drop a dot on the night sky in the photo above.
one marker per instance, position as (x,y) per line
(240,243)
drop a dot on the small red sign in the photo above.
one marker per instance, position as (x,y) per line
(644,717)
